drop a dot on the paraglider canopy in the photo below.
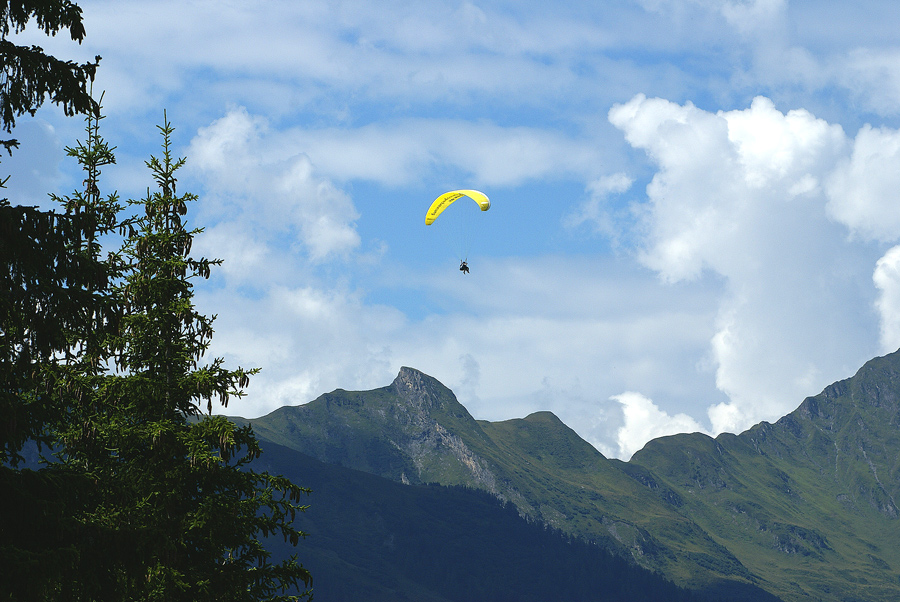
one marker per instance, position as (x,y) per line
(448,198)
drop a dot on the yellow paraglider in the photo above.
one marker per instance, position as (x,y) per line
(448,198)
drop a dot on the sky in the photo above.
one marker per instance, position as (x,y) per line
(694,219)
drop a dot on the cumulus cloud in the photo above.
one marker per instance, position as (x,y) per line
(887,280)
(644,420)
(742,194)
(864,189)
(251,183)
(308,339)
(276,222)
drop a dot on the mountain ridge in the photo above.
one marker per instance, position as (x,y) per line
(415,431)
(820,493)
(803,508)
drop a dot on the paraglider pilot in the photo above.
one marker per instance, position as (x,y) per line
(463,267)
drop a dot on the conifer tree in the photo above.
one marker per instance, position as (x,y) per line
(28,75)
(149,500)
(174,512)
(44,274)
(52,297)
(58,310)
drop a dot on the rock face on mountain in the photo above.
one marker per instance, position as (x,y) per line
(805,509)
(412,431)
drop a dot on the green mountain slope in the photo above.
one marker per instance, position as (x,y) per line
(415,431)
(808,501)
(805,509)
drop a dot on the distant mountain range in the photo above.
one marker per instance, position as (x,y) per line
(802,509)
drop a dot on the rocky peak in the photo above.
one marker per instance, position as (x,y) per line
(871,395)
(420,391)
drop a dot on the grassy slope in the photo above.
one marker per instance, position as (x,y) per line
(415,431)
(804,508)
(577,489)
(807,501)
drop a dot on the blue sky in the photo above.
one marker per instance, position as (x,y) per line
(694,220)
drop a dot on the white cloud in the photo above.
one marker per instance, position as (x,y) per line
(269,190)
(864,190)
(645,421)
(872,77)
(398,152)
(746,219)
(244,255)
(741,194)
(393,153)
(596,210)
(307,339)
(887,280)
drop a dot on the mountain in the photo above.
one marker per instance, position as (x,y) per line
(414,431)
(377,540)
(810,501)
(803,509)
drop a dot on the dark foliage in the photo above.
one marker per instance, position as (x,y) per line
(28,75)
(53,294)
(148,500)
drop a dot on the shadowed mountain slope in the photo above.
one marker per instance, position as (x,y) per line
(376,540)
